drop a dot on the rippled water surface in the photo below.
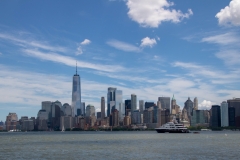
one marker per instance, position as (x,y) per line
(119,145)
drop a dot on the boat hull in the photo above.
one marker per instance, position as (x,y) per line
(172,131)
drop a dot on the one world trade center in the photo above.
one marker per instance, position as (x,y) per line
(76,95)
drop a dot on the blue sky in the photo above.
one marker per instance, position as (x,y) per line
(151,48)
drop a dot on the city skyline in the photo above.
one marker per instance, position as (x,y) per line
(187,52)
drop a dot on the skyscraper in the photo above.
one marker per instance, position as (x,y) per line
(216,116)
(118,99)
(127,106)
(90,111)
(111,97)
(224,114)
(133,102)
(141,106)
(165,102)
(133,105)
(76,94)
(83,113)
(195,103)
(188,105)
(102,108)
(235,102)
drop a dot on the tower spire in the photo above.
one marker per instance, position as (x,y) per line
(76,67)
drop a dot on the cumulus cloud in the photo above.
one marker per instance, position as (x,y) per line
(148,42)
(85,42)
(123,46)
(80,46)
(151,13)
(230,15)
(205,105)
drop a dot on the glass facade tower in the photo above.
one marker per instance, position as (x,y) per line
(76,95)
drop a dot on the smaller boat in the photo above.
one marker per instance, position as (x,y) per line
(196,132)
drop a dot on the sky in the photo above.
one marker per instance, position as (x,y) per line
(151,48)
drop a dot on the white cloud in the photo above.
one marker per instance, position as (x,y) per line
(230,15)
(222,39)
(230,57)
(69,61)
(0,53)
(85,42)
(123,46)
(79,50)
(24,42)
(208,73)
(148,42)
(151,13)
(205,105)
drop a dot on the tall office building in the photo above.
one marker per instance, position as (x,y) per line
(235,102)
(111,98)
(231,116)
(76,94)
(195,103)
(133,102)
(133,105)
(83,112)
(141,106)
(199,118)
(11,121)
(102,108)
(90,111)
(224,114)
(118,103)
(188,105)
(56,115)
(127,107)
(67,109)
(216,116)
(165,102)
(46,105)
(159,104)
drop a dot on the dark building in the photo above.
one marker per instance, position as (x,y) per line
(231,116)
(235,103)
(149,104)
(99,115)
(188,105)
(56,115)
(127,106)
(165,116)
(165,102)
(111,96)
(216,116)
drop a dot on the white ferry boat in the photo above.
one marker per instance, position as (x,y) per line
(172,127)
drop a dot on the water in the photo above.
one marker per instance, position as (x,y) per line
(119,145)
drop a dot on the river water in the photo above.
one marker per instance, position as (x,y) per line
(120,145)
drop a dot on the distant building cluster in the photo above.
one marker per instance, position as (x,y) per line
(126,114)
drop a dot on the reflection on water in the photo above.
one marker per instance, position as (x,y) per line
(119,145)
